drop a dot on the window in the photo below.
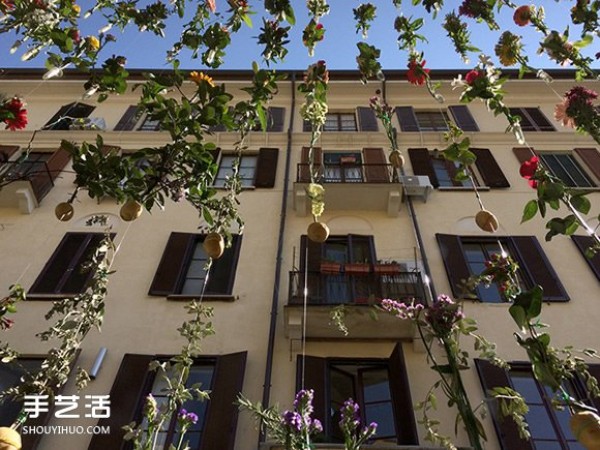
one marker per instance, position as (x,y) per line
(182,268)
(584,243)
(223,375)
(432,120)
(347,121)
(577,168)
(64,117)
(135,118)
(424,120)
(342,167)
(247,169)
(337,121)
(149,124)
(442,172)
(258,170)
(549,428)
(379,386)
(566,167)
(464,256)
(64,273)
(532,119)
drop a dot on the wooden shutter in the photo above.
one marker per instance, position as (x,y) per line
(61,274)
(366,119)
(42,180)
(454,262)
(57,162)
(54,124)
(539,119)
(489,169)
(126,395)
(222,272)
(222,414)
(304,170)
(523,153)
(591,158)
(490,377)
(534,262)
(407,118)
(406,431)
(276,117)
(266,168)
(315,378)
(463,117)
(421,164)
(6,151)
(378,171)
(129,119)
(172,264)
(583,243)
(72,110)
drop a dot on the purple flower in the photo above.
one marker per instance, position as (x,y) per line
(293,420)
(192,418)
(316,426)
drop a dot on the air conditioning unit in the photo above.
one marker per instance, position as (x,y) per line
(417,186)
(88,123)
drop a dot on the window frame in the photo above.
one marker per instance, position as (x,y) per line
(577,165)
(428,120)
(59,122)
(525,113)
(246,183)
(335,120)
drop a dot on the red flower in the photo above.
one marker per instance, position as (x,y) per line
(212,5)
(74,35)
(472,76)
(417,73)
(528,169)
(17,115)
(522,15)
(6,5)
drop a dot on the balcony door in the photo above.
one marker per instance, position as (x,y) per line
(343,167)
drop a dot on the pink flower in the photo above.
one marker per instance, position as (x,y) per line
(17,114)
(417,73)
(522,15)
(212,5)
(472,76)
(560,114)
(528,170)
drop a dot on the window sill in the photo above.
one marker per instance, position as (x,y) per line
(205,298)
(50,297)
(462,188)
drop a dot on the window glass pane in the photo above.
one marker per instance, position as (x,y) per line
(376,387)
(196,269)
(432,120)
(342,386)
(10,375)
(383,414)
(539,422)
(566,167)
(547,445)
(192,286)
(526,386)
(246,170)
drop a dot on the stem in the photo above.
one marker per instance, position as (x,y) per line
(582,221)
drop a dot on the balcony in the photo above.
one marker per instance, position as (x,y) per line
(373,187)
(24,184)
(357,288)
(377,446)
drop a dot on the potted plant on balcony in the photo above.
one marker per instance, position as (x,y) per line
(330,267)
(387,267)
(357,268)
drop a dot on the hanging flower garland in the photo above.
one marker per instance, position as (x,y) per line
(385,113)
(314,31)
(363,16)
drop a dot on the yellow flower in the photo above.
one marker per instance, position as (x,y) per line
(93,43)
(199,77)
(77,9)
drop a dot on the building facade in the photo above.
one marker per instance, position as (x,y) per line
(393,234)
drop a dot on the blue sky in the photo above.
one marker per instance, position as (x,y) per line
(144,50)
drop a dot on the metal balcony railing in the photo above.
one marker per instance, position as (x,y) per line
(355,288)
(348,173)
(36,172)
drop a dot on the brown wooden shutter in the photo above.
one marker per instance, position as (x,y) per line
(266,168)
(523,153)
(454,262)
(172,264)
(378,171)
(534,262)
(406,431)
(57,162)
(407,118)
(222,272)
(126,395)
(75,281)
(222,414)
(315,378)
(304,170)
(366,119)
(539,119)
(6,151)
(591,158)
(421,164)
(583,243)
(508,434)
(42,180)
(463,117)
(489,169)
(129,119)
(276,117)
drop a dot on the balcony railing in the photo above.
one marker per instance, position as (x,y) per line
(36,172)
(348,173)
(355,288)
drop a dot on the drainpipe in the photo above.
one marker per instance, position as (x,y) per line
(415,223)
(274,302)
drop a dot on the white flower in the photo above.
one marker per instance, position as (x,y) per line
(458,82)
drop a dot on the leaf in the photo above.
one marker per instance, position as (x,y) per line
(530,210)
(581,203)
(518,314)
